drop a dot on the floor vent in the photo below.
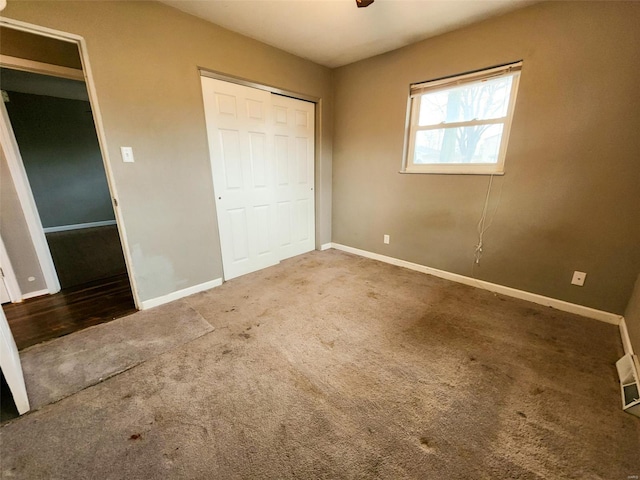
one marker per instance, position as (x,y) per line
(628,372)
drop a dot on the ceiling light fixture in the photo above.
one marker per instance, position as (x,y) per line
(363,3)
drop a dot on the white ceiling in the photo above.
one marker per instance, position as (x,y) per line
(335,32)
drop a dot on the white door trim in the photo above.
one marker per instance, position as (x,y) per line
(10,280)
(11,366)
(260,86)
(32,66)
(25,196)
(97,119)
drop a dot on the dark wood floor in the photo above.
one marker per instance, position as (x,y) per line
(44,318)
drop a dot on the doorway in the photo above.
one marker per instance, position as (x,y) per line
(262,160)
(72,243)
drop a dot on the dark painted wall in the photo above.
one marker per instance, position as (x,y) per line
(61,155)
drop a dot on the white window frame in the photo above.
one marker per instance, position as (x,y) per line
(413,111)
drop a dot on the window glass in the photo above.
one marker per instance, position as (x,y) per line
(461,124)
(477,144)
(479,101)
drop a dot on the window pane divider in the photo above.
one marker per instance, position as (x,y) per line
(470,123)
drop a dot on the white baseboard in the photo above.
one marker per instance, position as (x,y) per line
(493,287)
(626,340)
(185,292)
(79,226)
(37,293)
(326,246)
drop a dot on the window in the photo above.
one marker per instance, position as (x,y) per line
(461,124)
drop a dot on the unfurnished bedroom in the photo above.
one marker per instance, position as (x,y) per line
(320,239)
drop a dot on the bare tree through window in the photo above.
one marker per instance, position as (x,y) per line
(479,105)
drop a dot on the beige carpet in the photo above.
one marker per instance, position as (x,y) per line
(333,366)
(66,365)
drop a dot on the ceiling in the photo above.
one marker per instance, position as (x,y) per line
(335,32)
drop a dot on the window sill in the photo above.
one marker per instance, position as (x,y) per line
(454,170)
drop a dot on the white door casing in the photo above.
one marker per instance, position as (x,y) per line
(262,162)
(4,293)
(9,288)
(11,152)
(11,366)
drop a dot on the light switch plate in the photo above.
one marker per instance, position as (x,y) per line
(127,154)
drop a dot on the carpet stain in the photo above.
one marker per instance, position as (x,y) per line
(312,264)
(372,295)
(224,352)
(522,414)
(427,445)
(330,344)
(244,335)
(135,436)
(303,383)
(537,391)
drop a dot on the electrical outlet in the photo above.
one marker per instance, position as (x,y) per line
(386,239)
(578,278)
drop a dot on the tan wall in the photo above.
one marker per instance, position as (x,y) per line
(15,235)
(144,57)
(570,198)
(632,318)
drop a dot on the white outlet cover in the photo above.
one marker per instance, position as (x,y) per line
(127,154)
(578,278)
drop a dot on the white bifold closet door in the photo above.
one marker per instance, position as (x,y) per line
(262,159)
